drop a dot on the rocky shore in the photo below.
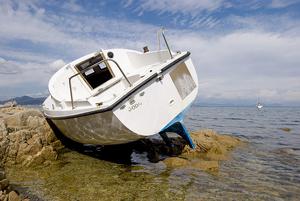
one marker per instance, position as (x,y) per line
(25,138)
(27,141)
(6,193)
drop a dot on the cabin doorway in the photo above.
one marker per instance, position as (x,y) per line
(98,72)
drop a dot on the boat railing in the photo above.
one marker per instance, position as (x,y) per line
(90,67)
(162,32)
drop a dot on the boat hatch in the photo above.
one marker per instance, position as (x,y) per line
(96,75)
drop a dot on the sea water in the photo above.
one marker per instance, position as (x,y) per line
(266,168)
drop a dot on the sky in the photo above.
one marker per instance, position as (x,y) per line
(242,50)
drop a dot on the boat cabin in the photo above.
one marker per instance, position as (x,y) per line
(94,72)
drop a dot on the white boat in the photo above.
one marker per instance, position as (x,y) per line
(117,96)
(259,105)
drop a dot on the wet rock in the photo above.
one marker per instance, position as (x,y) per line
(286,129)
(3,196)
(6,193)
(13,196)
(211,145)
(175,162)
(285,151)
(4,184)
(211,166)
(211,148)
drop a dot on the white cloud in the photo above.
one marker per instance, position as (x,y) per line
(8,67)
(21,55)
(290,95)
(245,63)
(282,3)
(196,7)
(177,6)
(72,5)
(214,15)
(56,65)
(25,25)
(49,36)
(127,3)
(69,33)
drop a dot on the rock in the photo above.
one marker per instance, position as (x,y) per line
(57,145)
(47,153)
(26,138)
(34,145)
(13,196)
(285,151)
(20,118)
(9,104)
(3,196)
(2,174)
(3,130)
(286,129)
(49,136)
(211,166)
(4,184)
(175,162)
(34,121)
(211,147)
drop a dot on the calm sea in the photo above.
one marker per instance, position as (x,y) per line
(267,168)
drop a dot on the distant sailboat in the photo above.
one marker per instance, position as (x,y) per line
(259,105)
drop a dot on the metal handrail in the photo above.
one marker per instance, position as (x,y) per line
(162,31)
(90,67)
(158,38)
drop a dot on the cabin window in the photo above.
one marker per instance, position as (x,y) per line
(98,73)
(183,80)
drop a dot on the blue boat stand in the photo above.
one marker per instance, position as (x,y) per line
(181,130)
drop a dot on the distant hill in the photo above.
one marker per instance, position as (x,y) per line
(26,100)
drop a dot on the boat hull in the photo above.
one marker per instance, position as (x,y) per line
(100,128)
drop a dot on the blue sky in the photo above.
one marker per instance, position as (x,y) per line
(241,49)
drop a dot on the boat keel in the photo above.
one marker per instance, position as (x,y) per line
(166,139)
(181,130)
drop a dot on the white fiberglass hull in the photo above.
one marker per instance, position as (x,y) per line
(100,128)
(147,110)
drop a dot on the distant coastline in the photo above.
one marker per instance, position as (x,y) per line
(241,105)
(28,100)
(25,100)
